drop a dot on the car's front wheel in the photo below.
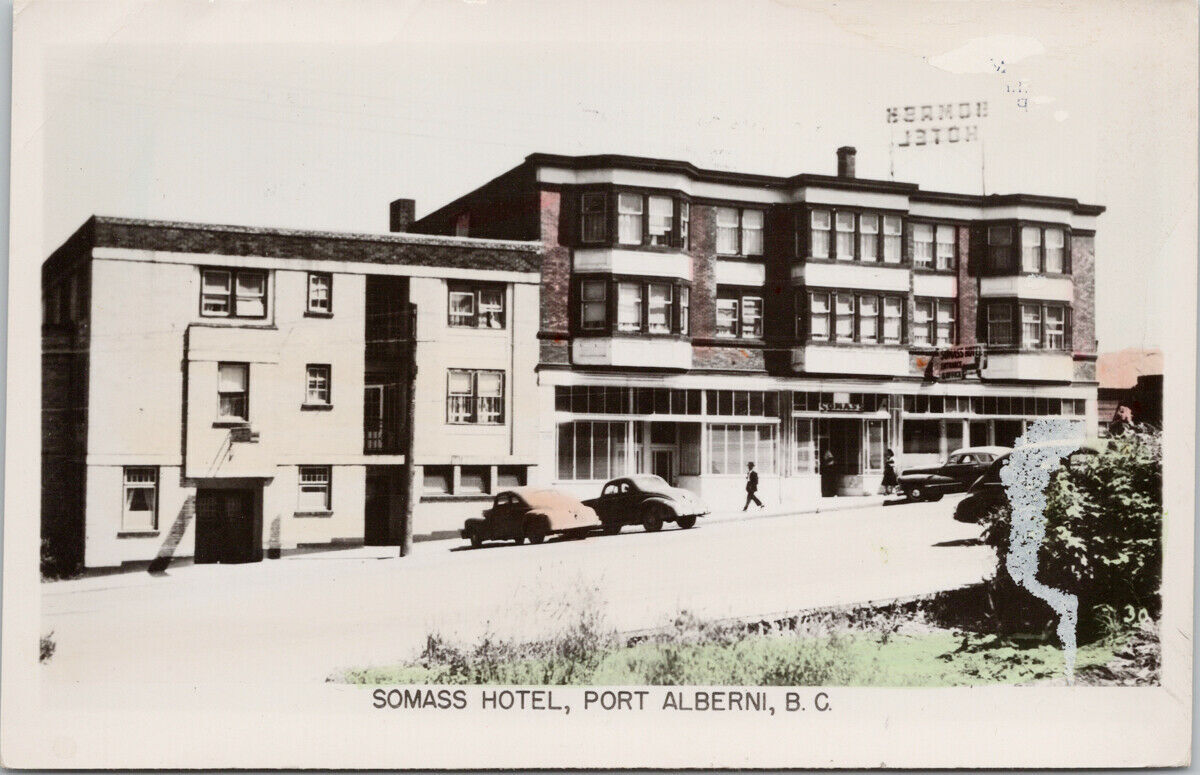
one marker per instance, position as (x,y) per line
(686,522)
(535,532)
(652,519)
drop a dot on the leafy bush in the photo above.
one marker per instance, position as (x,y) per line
(1103,535)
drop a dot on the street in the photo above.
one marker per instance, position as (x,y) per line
(304,617)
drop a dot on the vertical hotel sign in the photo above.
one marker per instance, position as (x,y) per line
(948,123)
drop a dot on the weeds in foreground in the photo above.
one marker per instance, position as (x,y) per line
(46,647)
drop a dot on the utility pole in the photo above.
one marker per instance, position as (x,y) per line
(410,417)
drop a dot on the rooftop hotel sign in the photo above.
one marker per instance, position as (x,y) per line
(940,124)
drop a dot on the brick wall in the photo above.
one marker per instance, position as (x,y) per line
(556,265)
(968,290)
(703,250)
(1083,277)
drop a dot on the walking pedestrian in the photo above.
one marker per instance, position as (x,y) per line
(890,480)
(751,487)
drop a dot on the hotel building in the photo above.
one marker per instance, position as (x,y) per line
(696,320)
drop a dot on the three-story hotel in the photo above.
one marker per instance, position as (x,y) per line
(693,321)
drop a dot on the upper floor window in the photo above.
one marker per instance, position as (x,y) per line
(629,219)
(661,220)
(314,495)
(476,306)
(848,236)
(233,391)
(739,232)
(239,293)
(933,322)
(316,385)
(1043,325)
(595,217)
(474,396)
(594,304)
(845,316)
(945,247)
(685,217)
(642,306)
(999,239)
(922,236)
(739,315)
(1043,249)
(320,294)
(630,298)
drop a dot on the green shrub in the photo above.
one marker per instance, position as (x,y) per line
(1103,535)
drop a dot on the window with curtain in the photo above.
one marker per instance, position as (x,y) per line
(922,322)
(727,317)
(659,311)
(1031,326)
(945,247)
(892,231)
(685,217)
(1056,318)
(140,511)
(752,232)
(684,309)
(868,319)
(727,231)
(1055,251)
(315,493)
(629,307)
(751,327)
(474,396)
(818,317)
(320,293)
(844,317)
(893,311)
(629,219)
(1031,249)
(922,234)
(316,388)
(233,391)
(844,224)
(820,224)
(945,323)
(868,237)
(661,220)
(999,240)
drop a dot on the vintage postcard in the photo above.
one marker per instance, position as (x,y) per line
(524,384)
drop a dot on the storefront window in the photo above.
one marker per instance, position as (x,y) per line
(874,445)
(592,450)
(805,456)
(922,437)
(731,447)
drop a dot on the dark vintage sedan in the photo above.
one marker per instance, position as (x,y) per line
(987,493)
(646,500)
(530,513)
(955,474)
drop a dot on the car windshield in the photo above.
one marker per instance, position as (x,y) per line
(651,483)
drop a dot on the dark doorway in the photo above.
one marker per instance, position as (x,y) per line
(979,434)
(228,526)
(1007,432)
(384,508)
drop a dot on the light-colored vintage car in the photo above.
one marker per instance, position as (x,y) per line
(530,513)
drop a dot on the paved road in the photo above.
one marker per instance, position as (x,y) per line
(303,617)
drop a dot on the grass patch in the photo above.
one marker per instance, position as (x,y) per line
(849,649)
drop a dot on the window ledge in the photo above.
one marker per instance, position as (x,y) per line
(474,497)
(316,407)
(231,423)
(319,514)
(931,270)
(859,261)
(308,313)
(137,533)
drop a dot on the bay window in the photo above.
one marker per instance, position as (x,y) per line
(1043,325)
(684,301)
(844,224)
(685,216)
(1031,325)
(818,317)
(922,333)
(868,318)
(752,232)
(631,305)
(1043,249)
(893,311)
(1055,326)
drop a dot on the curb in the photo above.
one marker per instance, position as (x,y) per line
(797,511)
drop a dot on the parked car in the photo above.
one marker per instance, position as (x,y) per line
(955,474)
(987,493)
(647,500)
(530,513)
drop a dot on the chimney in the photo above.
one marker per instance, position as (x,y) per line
(403,213)
(846,161)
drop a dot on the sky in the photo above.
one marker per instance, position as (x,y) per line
(316,115)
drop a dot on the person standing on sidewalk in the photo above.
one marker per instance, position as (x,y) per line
(751,487)
(890,480)
(828,475)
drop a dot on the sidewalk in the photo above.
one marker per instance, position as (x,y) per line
(816,506)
